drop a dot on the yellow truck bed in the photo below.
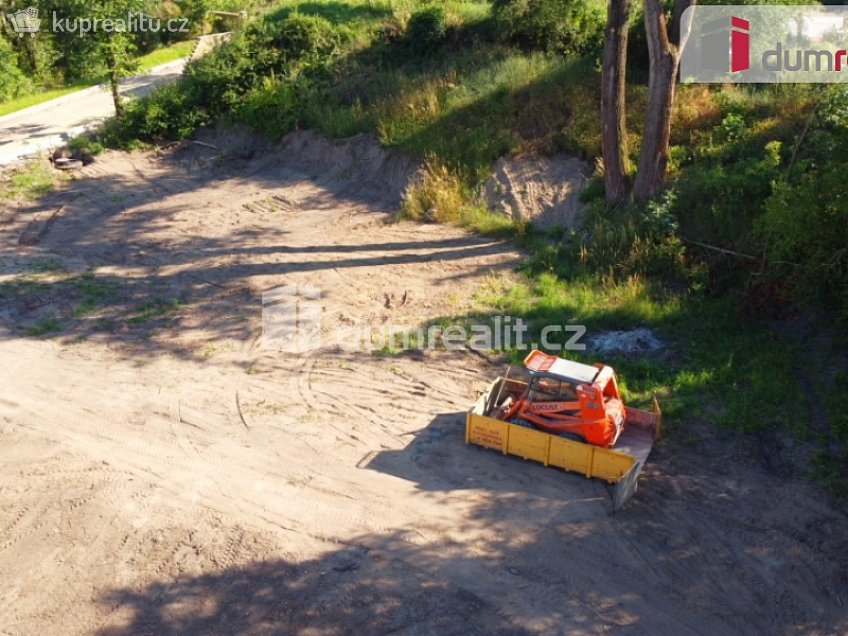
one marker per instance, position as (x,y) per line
(620,465)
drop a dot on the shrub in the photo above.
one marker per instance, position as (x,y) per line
(311,40)
(12,81)
(217,82)
(268,49)
(166,113)
(631,240)
(561,26)
(84,145)
(258,62)
(274,109)
(440,195)
(427,29)
(804,228)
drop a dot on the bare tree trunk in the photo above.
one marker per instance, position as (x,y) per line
(114,83)
(664,55)
(613,100)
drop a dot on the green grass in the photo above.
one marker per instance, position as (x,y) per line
(33,180)
(154,309)
(146,62)
(44,328)
(165,55)
(22,288)
(46,265)
(717,367)
(26,101)
(94,293)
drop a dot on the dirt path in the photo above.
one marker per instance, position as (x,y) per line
(162,473)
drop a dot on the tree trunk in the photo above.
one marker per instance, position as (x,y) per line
(115,82)
(664,56)
(613,100)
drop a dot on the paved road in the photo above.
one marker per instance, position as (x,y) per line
(50,124)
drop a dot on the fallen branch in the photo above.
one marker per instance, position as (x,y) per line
(720,250)
(204,144)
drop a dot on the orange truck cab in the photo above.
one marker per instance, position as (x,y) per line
(569,399)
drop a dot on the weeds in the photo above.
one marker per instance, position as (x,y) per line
(33,180)
(154,309)
(44,328)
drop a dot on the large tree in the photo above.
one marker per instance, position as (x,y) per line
(613,99)
(664,47)
(116,52)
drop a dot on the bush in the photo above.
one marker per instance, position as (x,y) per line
(557,26)
(260,61)
(631,240)
(12,81)
(309,40)
(274,109)
(427,29)
(84,146)
(166,113)
(219,81)
(440,195)
(804,228)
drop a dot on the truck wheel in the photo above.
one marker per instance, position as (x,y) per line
(520,422)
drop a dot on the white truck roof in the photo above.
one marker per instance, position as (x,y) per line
(573,371)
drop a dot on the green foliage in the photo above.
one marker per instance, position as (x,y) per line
(166,113)
(30,181)
(85,146)
(258,77)
(562,26)
(13,82)
(275,108)
(629,240)
(804,227)
(44,328)
(195,11)
(427,29)
(218,82)
(61,57)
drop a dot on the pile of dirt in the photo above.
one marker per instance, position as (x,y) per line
(354,168)
(359,162)
(545,191)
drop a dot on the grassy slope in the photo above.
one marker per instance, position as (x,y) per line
(146,62)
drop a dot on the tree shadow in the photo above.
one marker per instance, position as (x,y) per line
(439,460)
(353,590)
(126,274)
(697,552)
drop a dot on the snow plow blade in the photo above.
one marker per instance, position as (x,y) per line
(620,465)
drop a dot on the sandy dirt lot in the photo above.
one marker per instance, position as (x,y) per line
(162,473)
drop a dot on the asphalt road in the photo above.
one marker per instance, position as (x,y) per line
(50,124)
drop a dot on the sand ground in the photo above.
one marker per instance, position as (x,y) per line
(163,473)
